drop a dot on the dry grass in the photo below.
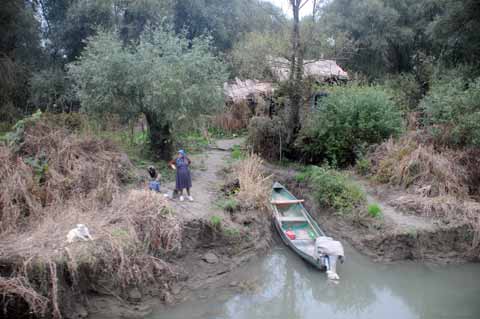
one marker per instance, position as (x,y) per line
(19,288)
(443,207)
(52,179)
(254,185)
(235,118)
(132,237)
(440,182)
(51,164)
(413,165)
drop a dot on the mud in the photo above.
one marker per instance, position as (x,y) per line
(398,235)
(210,252)
(196,272)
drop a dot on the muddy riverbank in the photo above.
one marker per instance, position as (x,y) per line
(281,285)
(399,234)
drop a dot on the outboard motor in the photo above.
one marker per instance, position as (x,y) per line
(328,252)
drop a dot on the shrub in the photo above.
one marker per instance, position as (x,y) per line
(405,90)
(363,166)
(452,111)
(216,221)
(237,153)
(228,204)
(333,189)
(374,210)
(350,119)
(266,136)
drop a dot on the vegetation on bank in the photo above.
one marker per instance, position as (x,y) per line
(167,78)
(334,189)
(411,121)
(346,122)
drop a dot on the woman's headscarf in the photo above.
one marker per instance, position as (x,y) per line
(181,152)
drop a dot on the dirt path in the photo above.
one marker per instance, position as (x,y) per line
(393,217)
(206,181)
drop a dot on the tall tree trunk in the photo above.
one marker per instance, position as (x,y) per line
(296,75)
(160,136)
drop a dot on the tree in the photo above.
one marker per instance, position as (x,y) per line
(250,56)
(296,73)
(19,54)
(456,31)
(386,34)
(227,21)
(168,78)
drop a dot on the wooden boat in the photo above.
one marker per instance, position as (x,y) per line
(302,234)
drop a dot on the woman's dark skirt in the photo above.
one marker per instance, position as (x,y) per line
(184,180)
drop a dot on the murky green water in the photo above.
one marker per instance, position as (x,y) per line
(286,287)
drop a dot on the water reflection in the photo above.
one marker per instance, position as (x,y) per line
(286,287)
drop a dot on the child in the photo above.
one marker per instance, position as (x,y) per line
(154,183)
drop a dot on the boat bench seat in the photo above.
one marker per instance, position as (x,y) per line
(287,202)
(292,219)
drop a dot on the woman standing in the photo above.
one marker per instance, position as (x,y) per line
(183,180)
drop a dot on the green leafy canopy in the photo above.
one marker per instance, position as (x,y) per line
(165,74)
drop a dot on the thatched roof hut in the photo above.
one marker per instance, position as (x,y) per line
(320,70)
(239,90)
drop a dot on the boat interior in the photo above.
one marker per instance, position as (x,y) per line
(293,220)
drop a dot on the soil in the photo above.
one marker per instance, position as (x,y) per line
(210,252)
(398,234)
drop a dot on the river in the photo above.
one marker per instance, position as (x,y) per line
(280,285)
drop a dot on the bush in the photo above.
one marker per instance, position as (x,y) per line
(228,204)
(452,111)
(237,153)
(266,136)
(405,89)
(350,119)
(374,210)
(363,166)
(216,221)
(333,189)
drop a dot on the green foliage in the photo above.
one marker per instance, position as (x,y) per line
(52,91)
(229,204)
(231,232)
(225,21)
(333,189)
(374,210)
(15,137)
(384,35)
(250,56)
(39,165)
(455,31)
(405,90)
(172,80)
(217,132)
(20,54)
(267,136)
(216,221)
(363,166)
(349,119)
(192,141)
(452,110)
(237,153)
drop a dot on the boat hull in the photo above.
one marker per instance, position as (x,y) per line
(314,262)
